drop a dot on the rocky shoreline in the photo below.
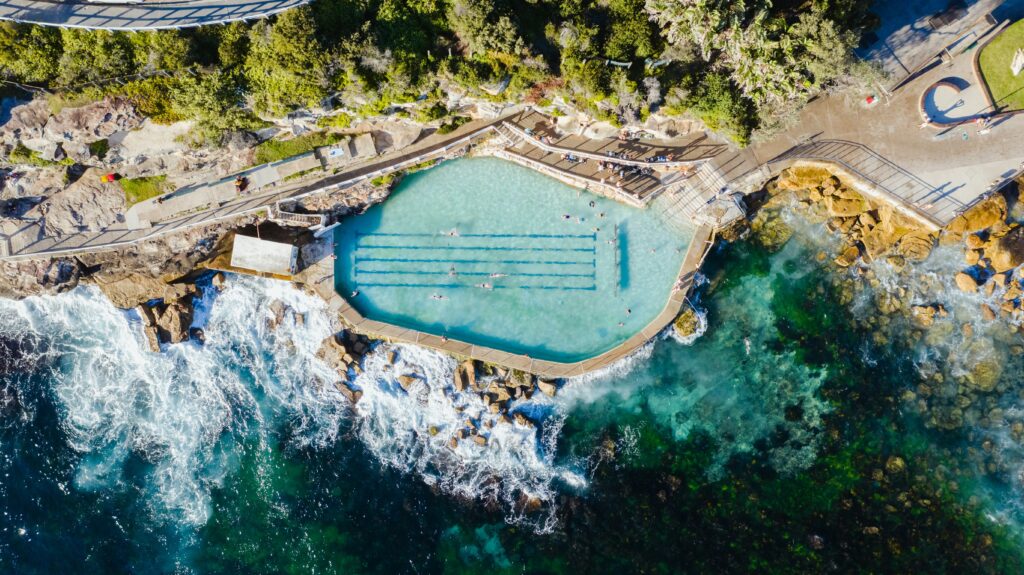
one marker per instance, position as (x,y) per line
(960,310)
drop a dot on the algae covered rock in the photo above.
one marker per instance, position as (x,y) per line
(689,323)
(770,229)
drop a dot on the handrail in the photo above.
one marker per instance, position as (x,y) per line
(814,151)
(592,156)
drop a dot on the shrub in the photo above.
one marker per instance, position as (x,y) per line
(141,189)
(274,150)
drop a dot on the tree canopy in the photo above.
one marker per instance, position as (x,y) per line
(739,65)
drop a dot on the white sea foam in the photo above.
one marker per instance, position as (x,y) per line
(174,409)
(411,431)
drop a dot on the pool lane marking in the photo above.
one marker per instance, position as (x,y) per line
(358,271)
(591,249)
(592,236)
(452,286)
(358,259)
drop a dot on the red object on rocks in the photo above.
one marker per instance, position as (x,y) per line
(871,99)
(107,178)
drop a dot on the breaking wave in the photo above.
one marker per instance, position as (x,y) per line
(184,413)
(176,411)
(413,431)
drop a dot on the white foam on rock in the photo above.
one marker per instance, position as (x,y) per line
(175,410)
(411,431)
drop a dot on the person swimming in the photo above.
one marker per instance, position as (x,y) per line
(438,296)
(485,286)
(451,272)
(497,275)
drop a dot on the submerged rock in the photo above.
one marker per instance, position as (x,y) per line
(965,282)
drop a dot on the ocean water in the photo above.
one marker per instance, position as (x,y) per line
(492,253)
(767,444)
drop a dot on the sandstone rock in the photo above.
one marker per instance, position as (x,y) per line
(173,322)
(971,257)
(277,309)
(465,376)
(548,388)
(923,315)
(848,256)
(85,205)
(152,334)
(521,419)
(974,242)
(965,282)
(844,207)
(688,323)
(987,313)
(802,177)
(916,245)
(218,281)
(985,214)
(135,290)
(406,381)
(480,440)
(1006,251)
(352,395)
(146,313)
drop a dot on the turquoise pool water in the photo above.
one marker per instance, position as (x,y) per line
(488,252)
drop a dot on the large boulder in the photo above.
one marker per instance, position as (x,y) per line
(174,321)
(803,177)
(688,323)
(966,282)
(86,205)
(848,205)
(985,214)
(1006,251)
(133,290)
(465,376)
(916,245)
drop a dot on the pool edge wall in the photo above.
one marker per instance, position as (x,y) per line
(695,252)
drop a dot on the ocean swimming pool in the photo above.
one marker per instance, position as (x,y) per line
(494,254)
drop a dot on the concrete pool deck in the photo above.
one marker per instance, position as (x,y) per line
(319,277)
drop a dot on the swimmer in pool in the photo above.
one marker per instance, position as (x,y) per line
(437,296)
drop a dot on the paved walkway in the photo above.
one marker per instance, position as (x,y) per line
(30,241)
(934,172)
(150,15)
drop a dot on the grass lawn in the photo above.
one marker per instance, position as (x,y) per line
(140,189)
(995,60)
(274,150)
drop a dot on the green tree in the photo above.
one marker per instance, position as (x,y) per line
(168,50)
(286,67)
(631,34)
(483,28)
(94,55)
(30,53)
(214,101)
(233,44)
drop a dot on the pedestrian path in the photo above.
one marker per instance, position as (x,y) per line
(148,15)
